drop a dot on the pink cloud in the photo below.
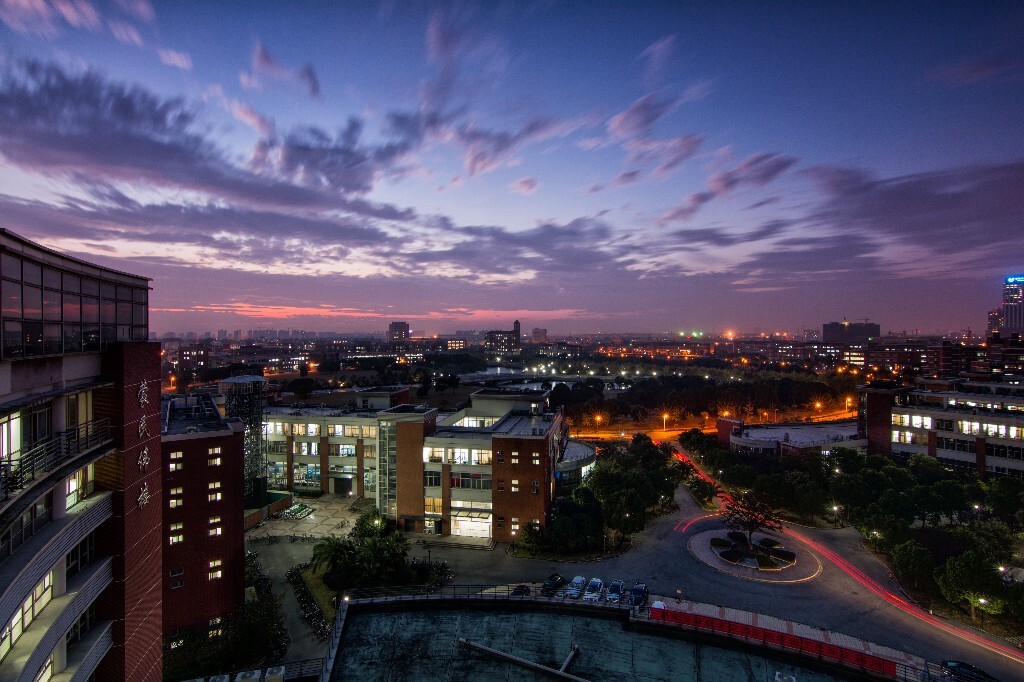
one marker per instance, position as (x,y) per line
(179,60)
(526,186)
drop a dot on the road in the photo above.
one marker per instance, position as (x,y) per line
(853,595)
(844,598)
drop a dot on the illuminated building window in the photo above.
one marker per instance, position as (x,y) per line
(214,497)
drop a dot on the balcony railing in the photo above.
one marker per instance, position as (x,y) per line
(41,459)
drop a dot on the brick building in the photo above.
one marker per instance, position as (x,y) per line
(80,484)
(204,544)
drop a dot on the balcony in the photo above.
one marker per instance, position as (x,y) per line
(30,652)
(83,661)
(50,545)
(50,455)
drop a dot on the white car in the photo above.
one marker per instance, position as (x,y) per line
(575,587)
(594,590)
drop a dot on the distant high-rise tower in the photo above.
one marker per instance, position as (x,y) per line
(398,331)
(1013,305)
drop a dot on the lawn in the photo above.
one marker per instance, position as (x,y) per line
(321,593)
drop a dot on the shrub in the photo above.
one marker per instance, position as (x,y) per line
(733,556)
(737,537)
(766,563)
(783,554)
(769,543)
(721,543)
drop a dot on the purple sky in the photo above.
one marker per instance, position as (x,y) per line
(619,166)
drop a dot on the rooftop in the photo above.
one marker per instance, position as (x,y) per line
(803,434)
(190,414)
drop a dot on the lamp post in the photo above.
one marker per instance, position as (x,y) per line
(513,543)
(664,421)
(597,421)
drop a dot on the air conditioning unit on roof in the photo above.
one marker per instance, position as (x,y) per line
(275,674)
(249,676)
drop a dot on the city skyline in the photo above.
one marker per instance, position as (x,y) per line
(458,166)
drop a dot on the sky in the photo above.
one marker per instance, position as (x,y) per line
(582,167)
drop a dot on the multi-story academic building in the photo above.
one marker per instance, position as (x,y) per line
(484,471)
(204,545)
(965,424)
(80,471)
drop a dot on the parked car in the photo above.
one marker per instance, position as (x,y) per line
(594,590)
(958,670)
(575,588)
(615,591)
(551,585)
(638,595)
(520,591)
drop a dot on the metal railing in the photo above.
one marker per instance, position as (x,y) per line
(51,454)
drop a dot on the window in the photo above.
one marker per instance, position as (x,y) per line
(177,491)
(536,459)
(433,454)
(214,519)
(213,497)
(176,464)
(215,575)
(432,505)
(471,481)
(460,456)
(176,539)
(177,526)
(214,531)
(213,462)
(515,485)
(214,485)
(431,479)
(515,523)
(175,572)
(175,502)
(481,456)
(215,563)
(175,584)
(515,458)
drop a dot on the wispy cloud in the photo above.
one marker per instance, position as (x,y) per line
(125,33)
(265,65)
(526,186)
(758,169)
(179,60)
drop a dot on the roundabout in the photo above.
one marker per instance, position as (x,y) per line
(806,567)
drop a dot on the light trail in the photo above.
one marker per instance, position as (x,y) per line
(866,581)
(905,606)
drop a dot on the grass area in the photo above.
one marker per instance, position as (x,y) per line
(321,593)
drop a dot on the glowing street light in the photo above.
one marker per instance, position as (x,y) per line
(664,421)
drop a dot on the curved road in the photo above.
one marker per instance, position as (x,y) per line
(853,595)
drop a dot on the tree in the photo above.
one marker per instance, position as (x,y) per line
(702,489)
(333,553)
(913,561)
(969,577)
(750,513)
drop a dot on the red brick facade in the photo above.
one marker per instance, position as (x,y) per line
(191,597)
(132,537)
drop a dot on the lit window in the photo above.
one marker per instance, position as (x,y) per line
(213,451)
(215,563)
(214,531)
(213,462)
(175,539)
(214,485)
(213,497)
(214,519)
(175,466)
(536,459)
(175,502)
(177,526)
(176,455)
(215,575)
(177,491)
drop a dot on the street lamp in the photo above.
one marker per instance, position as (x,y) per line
(597,420)
(664,421)
(513,543)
